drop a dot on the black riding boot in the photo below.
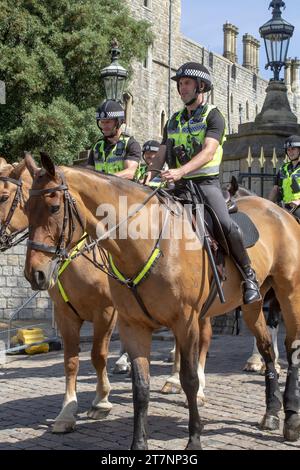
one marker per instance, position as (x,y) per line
(239,253)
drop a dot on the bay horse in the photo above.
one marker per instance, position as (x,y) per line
(232,191)
(176,286)
(89,294)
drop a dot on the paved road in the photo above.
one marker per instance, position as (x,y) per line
(32,391)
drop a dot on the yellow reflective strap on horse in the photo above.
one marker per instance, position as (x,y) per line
(66,264)
(136,281)
(115,269)
(147,267)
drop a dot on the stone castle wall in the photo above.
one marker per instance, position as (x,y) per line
(15,290)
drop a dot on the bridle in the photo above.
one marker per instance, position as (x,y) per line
(8,240)
(70,215)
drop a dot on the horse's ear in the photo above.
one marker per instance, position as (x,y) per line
(30,164)
(18,168)
(234,184)
(3,162)
(47,164)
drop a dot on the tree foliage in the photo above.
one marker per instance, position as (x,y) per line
(51,53)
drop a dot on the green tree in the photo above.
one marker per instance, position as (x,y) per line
(51,56)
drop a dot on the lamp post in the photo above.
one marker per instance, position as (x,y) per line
(114,75)
(276,110)
(276,34)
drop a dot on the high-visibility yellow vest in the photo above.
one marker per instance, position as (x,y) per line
(287,175)
(191,134)
(114,161)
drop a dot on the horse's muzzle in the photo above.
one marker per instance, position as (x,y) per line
(43,278)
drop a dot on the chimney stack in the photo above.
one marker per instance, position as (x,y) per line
(230,34)
(251,53)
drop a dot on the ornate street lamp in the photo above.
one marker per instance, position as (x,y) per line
(276,34)
(114,76)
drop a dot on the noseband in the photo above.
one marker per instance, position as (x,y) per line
(8,240)
(70,213)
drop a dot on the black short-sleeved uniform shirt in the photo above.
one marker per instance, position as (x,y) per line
(133,151)
(215,130)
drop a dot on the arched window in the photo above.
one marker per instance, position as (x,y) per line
(162,122)
(231,103)
(211,60)
(147,3)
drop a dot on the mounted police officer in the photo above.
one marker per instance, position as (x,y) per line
(114,152)
(197,133)
(149,151)
(287,183)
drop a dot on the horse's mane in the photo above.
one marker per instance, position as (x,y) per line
(113,179)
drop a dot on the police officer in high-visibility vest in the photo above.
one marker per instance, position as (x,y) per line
(287,183)
(149,151)
(114,152)
(197,133)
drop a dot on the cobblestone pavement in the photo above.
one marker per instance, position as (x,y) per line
(32,391)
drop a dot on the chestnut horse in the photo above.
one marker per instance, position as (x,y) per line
(88,291)
(176,286)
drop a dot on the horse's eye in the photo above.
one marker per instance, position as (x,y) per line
(4,198)
(54,209)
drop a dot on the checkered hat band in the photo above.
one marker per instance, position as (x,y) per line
(110,115)
(292,144)
(149,148)
(196,73)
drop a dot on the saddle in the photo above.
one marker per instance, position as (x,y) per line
(216,237)
(249,231)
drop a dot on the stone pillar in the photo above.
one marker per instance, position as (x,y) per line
(234,35)
(256,63)
(253,54)
(230,35)
(295,75)
(227,41)
(287,74)
(247,51)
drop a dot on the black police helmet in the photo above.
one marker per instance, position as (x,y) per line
(292,141)
(196,71)
(110,109)
(151,146)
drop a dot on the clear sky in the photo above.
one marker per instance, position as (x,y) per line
(203,22)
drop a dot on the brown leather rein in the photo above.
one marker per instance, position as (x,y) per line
(8,240)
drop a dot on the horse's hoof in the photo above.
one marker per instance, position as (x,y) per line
(270,423)
(253,367)
(63,427)
(169,388)
(291,428)
(96,412)
(139,446)
(121,369)
(194,445)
